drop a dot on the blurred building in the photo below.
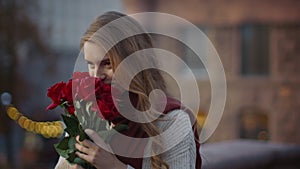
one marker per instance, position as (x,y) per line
(27,71)
(258,43)
(64,22)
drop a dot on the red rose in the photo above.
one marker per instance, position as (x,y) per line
(67,92)
(104,109)
(87,88)
(107,108)
(55,92)
(61,94)
(99,87)
(84,87)
(80,75)
(68,96)
(81,88)
(71,109)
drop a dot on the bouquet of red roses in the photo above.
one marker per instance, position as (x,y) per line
(88,103)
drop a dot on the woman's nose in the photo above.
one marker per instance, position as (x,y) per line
(100,74)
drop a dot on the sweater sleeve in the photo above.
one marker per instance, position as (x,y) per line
(178,140)
(62,164)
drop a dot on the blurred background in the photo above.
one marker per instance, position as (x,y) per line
(258,43)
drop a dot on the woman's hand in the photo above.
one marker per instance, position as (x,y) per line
(94,154)
(76,166)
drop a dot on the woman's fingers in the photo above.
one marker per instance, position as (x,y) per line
(87,150)
(84,156)
(82,148)
(87,143)
(94,151)
(90,156)
(76,166)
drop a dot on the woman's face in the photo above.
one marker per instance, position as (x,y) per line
(97,66)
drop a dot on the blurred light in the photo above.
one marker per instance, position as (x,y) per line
(6,98)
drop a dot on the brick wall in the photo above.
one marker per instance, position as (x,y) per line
(277,94)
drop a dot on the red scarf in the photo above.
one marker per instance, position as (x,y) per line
(135,130)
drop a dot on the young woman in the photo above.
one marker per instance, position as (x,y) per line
(106,45)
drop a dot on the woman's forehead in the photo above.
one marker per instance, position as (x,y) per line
(94,52)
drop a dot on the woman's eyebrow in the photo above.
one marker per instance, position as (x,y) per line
(105,60)
(88,62)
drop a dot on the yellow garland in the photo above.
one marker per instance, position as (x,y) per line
(47,129)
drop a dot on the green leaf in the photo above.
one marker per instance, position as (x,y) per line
(63,144)
(71,158)
(88,107)
(121,127)
(72,124)
(66,147)
(107,126)
(62,148)
(77,104)
(79,161)
(101,124)
(82,135)
(63,104)
(71,143)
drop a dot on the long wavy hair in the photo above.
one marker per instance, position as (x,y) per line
(145,81)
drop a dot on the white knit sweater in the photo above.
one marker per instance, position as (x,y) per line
(178,140)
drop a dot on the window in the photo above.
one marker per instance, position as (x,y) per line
(255,50)
(254,124)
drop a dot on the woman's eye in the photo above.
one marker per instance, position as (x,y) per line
(106,63)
